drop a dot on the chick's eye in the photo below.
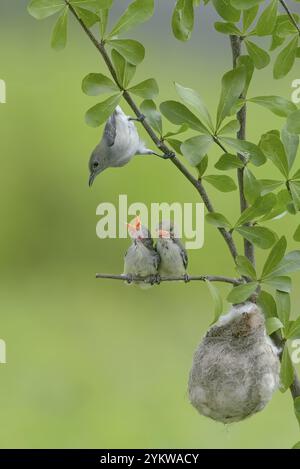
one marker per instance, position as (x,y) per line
(95,165)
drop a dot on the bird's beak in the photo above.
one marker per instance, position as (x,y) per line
(91,179)
(164,234)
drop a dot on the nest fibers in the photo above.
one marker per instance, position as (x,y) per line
(235,368)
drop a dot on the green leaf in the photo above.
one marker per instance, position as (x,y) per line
(95,4)
(291,145)
(295,191)
(267,303)
(274,150)
(103,17)
(275,257)
(286,59)
(249,16)
(60,31)
(175,144)
(297,408)
(195,148)
(132,51)
(282,284)
(245,267)
(243,4)
(283,307)
(227,28)
(293,122)
(293,331)
(183,20)
(41,9)
(124,70)
(179,114)
(180,130)
(147,89)
(259,56)
(192,98)
(267,21)
(99,113)
(233,84)
(289,264)
(273,325)
(148,108)
(88,17)
(96,83)
(261,207)
(241,293)
(258,235)
(297,234)
(252,188)
(218,220)
(269,185)
(232,127)
(226,11)
(138,12)
(286,371)
(228,161)
(202,166)
(247,62)
(217,299)
(296,446)
(249,150)
(282,107)
(221,182)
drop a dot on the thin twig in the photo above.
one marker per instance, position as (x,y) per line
(236,43)
(186,279)
(157,141)
(290,15)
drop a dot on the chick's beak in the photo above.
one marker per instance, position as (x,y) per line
(164,234)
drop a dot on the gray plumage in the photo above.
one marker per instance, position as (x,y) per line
(119,143)
(141,259)
(174,258)
(235,368)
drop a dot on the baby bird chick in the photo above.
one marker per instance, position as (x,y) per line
(141,259)
(173,255)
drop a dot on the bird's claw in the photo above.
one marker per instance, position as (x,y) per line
(186,278)
(153,280)
(129,279)
(157,279)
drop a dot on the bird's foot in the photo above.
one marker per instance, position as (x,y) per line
(157,279)
(166,156)
(186,278)
(152,280)
(129,279)
(141,118)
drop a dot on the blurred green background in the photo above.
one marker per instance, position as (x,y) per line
(95,363)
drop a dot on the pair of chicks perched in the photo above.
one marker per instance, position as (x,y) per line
(167,258)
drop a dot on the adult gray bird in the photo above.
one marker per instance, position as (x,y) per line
(141,259)
(119,143)
(173,255)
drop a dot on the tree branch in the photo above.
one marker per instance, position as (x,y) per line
(236,43)
(157,141)
(290,15)
(186,279)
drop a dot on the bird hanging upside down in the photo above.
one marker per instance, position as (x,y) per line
(141,259)
(119,143)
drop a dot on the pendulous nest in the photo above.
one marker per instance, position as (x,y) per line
(236,367)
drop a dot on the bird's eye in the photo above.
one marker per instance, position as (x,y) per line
(96,164)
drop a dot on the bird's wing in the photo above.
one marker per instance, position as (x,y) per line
(183,252)
(156,259)
(110,130)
